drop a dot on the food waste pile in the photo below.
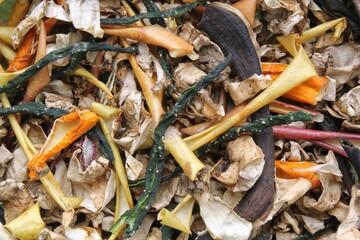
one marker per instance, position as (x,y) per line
(179,119)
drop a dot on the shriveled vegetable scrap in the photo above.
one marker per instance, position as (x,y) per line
(65,131)
(155,35)
(288,170)
(179,119)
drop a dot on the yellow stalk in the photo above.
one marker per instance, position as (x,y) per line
(322,28)
(147,83)
(180,217)
(184,156)
(28,225)
(7,51)
(197,128)
(5,33)
(122,187)
(20,135)
(118,163)
(104,111)
(48,181)
(82,72)
(292,41)
(298,71)
(52,187)
(131,12)
(118,210)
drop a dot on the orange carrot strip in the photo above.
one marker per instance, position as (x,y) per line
(306,92)
(65,131)
(287,170)
(316,82)
(269,67)
(274,70)
(24,55)
(303,93)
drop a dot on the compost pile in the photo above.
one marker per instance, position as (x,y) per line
(179,119)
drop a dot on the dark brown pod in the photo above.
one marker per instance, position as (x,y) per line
(231,34)
(229,31)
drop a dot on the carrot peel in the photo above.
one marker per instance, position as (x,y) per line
(65,131)
(24,55)
(307,92)
(288,170)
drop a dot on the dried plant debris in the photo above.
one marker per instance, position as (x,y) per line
(179,119)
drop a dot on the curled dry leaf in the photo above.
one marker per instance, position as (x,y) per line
(86,16)
(330,177)
(14,206)
(221,221)
(244,90)
(5,157)
(79,172)
(312,224)
(348,105)
(353,215)
(246,162)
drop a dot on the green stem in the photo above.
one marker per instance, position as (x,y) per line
(61,53)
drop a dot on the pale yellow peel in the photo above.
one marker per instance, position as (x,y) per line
(180,217)
(292,42)
(6,33)
(118,164)
(7,51)
(321,29)
(184,156)
(28,225)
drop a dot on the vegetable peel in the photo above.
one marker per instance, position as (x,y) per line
(180,217)
(291,42)
(288,170)
(65,131)
(184,156)
(155,35)
(28,225)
